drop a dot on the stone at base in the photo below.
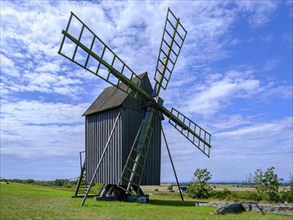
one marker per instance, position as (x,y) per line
(226,207)
(140,199)
(105,198)
(232,208)
(267,208)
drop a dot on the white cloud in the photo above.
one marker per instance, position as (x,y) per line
(5,62)
(231,122)
(239,146)
(30,128)
(271,64)
(7,66)
(259,11)
(277,91)
(48,67)
(219,90)
(42,113)
(256,145)
(259,130)
(44,82)
(123,29)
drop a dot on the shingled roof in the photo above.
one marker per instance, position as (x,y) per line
(110,98)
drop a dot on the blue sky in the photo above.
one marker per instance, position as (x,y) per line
(233,77)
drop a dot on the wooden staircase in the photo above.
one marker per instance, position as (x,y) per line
(81,185)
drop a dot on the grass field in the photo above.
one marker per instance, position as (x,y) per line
(24,201)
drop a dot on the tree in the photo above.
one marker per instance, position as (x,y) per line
(198,188)
(61,182)
(267,182)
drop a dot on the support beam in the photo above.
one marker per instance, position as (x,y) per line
(172,163)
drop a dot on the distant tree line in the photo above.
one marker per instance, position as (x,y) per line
(57,182)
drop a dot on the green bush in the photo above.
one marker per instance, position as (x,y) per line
(61,182)
(170,188)
(233,196)
(68,185)
(16,180)
(215,194)
(267,185)
(248,195)
(220,194)
(4,180)
(287,196)
(199,188)
(28,181)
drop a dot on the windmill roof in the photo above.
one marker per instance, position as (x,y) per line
(110,98)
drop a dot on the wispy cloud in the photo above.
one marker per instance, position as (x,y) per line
(217,91)
(240,146)
(31,128)
(258,12)
(271,64)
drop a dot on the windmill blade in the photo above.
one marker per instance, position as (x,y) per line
(83,47)
(193,132)
(172,41)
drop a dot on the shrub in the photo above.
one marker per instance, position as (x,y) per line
(287,196)
(248,195)
(199,188)
(232,196)
(16,180)
(28,181)
(68,185)
(267,184)
(4,180)
(61,182)
(170,188)
(220,194)
(215,194)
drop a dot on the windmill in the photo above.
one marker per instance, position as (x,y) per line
(84,48)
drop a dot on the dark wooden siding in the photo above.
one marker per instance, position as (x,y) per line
(152,169)
(153,165)
(98,128)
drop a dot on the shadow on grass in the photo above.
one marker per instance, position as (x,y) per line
(164,202)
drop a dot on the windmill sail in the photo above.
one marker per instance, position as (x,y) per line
(172,41)
(81,46)
(198,136)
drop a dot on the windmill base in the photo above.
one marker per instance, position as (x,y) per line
(130,198)
(139,199)
(113,193)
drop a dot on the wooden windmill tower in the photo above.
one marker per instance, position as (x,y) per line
(123,125)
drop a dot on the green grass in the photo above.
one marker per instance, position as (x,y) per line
(24,201)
